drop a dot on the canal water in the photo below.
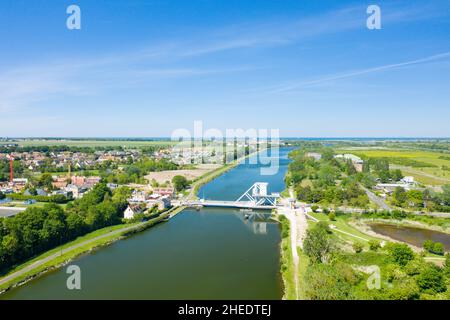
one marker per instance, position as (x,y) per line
(206,254)
(411,235)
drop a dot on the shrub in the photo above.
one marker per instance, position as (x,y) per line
(332,216)
(438,248)
(431,280)
(415,267)
(406,289)
(447,265)
(314,208)
(434,247)
(374,245)
(324,282)
(358,247)
(428,245)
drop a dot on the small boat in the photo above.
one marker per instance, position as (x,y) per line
(246,210)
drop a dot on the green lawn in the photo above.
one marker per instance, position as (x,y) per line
(342,224)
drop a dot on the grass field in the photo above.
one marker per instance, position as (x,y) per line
(341,223)
(437,175)
(91,143)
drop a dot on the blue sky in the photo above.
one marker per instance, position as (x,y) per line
(145,68)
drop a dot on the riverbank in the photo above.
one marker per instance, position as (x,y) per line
(61,256)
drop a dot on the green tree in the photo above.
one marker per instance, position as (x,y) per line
(400,253)
(445,195)
(415,198)
(396,175)
(327,154)
(180,183)
(45,180)
(317,244)
(399,196)
(431,280)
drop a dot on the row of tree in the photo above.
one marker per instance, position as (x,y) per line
(39,229)
(418,199)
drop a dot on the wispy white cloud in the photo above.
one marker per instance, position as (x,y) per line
(42,81)
(330,78)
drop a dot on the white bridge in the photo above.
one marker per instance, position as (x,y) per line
(255,197)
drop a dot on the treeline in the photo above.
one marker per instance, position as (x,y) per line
(422,199)
(49,149)
(379,168)
(86,149)
(57,198)
(399,161)
(37,230)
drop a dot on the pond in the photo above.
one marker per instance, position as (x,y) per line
(411,235)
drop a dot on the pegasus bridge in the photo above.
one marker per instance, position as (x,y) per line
(255,198)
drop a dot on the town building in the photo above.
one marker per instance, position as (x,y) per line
(131,211)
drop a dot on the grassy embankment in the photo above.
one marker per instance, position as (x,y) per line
(84,244)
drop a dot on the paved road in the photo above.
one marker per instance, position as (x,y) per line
(377,200)
(10,211)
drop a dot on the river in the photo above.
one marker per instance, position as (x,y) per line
(206,254)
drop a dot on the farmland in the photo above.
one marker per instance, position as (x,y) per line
(429,168)
(91,143)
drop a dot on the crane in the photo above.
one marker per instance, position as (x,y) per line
(11,168)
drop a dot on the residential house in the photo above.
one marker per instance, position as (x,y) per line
(131,211)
